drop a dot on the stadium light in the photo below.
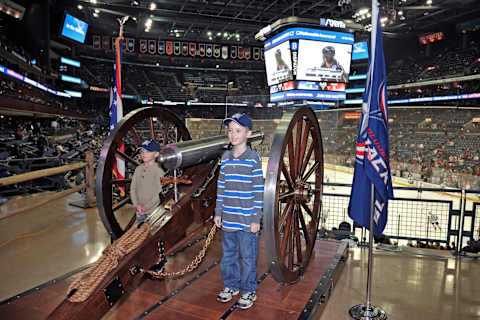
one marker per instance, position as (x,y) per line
(153,6)
(96,11)
(429,2)
(400,13)
(209,33)
(93,1)
(95,15)
(80,7)
(148,23)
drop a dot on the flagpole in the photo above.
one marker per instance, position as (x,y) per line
(368,311)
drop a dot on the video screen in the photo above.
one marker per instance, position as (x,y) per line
(278,63)
(360,50)
(323,61)
(74,28)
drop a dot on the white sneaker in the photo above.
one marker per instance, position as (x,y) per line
(246,301)
(227,294)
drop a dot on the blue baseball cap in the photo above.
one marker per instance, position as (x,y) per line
(240,118)
(151,145)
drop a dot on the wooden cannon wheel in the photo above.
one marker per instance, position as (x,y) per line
(293,194)
(133,129)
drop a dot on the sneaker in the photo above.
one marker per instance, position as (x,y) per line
(226,294)
(246,301)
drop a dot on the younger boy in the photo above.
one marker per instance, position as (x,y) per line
(238,212)
(146,185)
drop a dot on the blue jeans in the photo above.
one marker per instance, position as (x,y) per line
(245,244)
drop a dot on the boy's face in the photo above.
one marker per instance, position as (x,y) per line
(147,156)
(238,134)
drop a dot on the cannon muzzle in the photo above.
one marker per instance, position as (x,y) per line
(193,152)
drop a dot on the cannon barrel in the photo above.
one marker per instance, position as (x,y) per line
(193,152)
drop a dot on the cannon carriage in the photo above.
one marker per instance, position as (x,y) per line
(292,202)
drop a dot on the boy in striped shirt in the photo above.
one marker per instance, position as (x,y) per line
(238,212)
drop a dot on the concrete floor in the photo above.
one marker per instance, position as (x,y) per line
(58,238)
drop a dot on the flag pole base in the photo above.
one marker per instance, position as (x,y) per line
(360,312)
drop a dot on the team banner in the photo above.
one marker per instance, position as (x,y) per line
(240,52)
(184,49)
(233,52)
(106,42)
(372,164)
(209,50)
(224,52)
(216,51)
(192,49)
(247,53)
(152,46)
(256,53)
(176,48)
(143,46)
(130,45)
(169,49)
(161,47)
(96,42)
(201,48)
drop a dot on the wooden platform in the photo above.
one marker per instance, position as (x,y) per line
(194,296)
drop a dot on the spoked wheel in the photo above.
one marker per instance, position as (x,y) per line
(293,194)
(113,193)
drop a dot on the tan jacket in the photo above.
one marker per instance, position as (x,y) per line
(146,186)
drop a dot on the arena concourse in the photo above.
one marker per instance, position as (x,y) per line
(424,267)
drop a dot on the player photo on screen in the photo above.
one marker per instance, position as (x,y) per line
(278,64)
(323,61)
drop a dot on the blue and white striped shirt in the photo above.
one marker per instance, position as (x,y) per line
(240,190)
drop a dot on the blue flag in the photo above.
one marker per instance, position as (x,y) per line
(372,163)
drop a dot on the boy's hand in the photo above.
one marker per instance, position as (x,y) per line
(218,221)
(255,227)
(141,209)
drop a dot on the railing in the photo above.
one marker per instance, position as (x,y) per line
(89,185)
(416,214)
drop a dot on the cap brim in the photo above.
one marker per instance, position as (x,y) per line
(228,120)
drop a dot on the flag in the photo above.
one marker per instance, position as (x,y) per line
(372,164)
(116,110)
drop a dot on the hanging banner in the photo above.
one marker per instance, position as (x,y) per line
(176,48)
(240,52)
(209,50)
(233,52)
(152,46)
(169,46)
(201,48)
(256,53)
(184,49)
(247,53)
(224,52)
(106,42)
(96,42)
(130,45)
(161,47)
(216,51)
(143,46)
(192,49)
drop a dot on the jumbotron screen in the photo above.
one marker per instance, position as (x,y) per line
(278,64)
(323,61)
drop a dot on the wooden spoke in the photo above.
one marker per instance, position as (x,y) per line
(297,236)
(292,241)
(304,228)
(284,215)
(310,171)
(125,157)
(121,203)
(307,159)
(287,176)
(152,129)
(135,136)
(285,195)
(306,134)
(298,145)
(286,235)
(309,211)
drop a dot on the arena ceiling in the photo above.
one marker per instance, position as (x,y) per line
(239,20)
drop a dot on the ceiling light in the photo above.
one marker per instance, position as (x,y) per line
(186,66)
(429,2)
(219,33)
(96,11)
(147,29)
(400,13)
(209,33)
(217,66)
(148,23)
(80,7)
(383,19)
(93,1)
(402,18)
(225,34)
(210,38)
(95,15)
(153,6)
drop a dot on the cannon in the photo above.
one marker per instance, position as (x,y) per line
(292,200)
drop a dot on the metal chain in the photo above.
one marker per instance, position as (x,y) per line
(208,180)
(190,267)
